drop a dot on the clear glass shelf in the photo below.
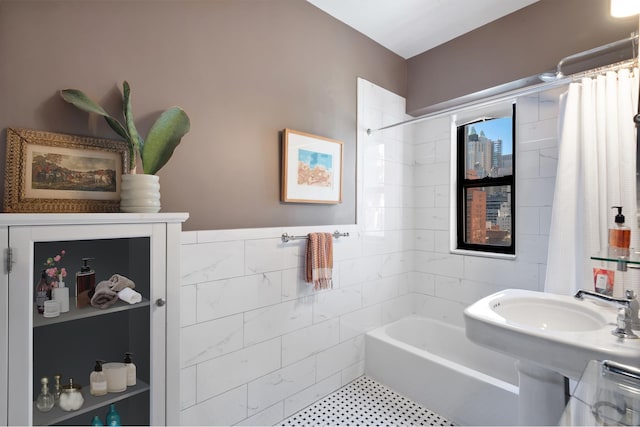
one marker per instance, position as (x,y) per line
(91,403)
(628,256)
(81,313)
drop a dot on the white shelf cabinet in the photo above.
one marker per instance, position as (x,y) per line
(141,246)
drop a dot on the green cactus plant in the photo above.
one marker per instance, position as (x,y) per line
(163,138)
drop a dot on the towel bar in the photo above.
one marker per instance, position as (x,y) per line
(286,237)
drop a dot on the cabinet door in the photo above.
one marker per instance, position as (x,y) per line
(158,321)
(70,343)
(4,326)
(20,377)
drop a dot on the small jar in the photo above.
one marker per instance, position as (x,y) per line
(116,374)
(71,398)
(51,308)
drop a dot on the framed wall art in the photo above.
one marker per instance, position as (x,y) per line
(311,168)
(52,172)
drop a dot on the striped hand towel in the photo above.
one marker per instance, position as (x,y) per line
(319,260)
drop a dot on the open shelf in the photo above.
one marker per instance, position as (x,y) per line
(630,256)
(56,415)
(82,313)
(623,257)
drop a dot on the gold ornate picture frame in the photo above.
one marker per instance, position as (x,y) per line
(53,172)
(311,168)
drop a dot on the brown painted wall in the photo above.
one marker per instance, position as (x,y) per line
(522,44)
(242,69)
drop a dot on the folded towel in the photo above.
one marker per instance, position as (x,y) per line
(319,260)
(119,282)
(130,296)
(104,296)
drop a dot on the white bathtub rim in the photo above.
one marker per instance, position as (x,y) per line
(381,335)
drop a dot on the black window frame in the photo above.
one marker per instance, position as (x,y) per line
(463,184)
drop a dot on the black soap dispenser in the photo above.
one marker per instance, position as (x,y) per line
(98,380)
(85,284)
(619,234)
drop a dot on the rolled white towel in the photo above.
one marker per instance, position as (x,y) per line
(130,296)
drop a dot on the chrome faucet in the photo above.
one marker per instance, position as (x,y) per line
(627,311)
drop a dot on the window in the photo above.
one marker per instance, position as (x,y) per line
(486,185)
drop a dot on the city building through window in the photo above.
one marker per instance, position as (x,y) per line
(485,185)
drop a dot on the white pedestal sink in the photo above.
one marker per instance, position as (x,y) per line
(542,396)
(553,336)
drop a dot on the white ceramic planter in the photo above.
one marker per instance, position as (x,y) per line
(140,193)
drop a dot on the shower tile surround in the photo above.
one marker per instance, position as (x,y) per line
(258,345)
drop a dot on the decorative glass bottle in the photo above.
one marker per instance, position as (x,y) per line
(58,388)
(43,292)
(113,417)
(45,400)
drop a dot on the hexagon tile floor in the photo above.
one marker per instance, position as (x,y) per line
(365,402)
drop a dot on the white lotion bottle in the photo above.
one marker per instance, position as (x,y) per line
(61,294)
(97,380)
(131,369)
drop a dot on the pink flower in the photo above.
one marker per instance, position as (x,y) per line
(51,265)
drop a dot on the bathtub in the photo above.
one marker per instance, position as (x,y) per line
(434,364)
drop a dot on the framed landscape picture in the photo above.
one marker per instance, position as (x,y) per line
(52,172)
(311,168)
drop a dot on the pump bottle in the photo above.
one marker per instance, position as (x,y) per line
(619,234)
(85,284)
(61,294)
(97,380)
(131,369)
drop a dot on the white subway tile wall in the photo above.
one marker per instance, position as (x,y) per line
(259,344)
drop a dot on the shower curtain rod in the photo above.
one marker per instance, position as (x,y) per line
(561,80)
(632,38)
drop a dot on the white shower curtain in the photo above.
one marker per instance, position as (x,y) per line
(596,170)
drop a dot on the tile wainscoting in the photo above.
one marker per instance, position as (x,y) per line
(257,343)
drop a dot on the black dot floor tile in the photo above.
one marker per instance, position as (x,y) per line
(365,402)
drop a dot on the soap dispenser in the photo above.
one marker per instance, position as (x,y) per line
(85,283)
(97,380)
(131,369)
(61,294)
(619,234)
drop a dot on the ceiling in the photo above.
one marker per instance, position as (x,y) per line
(410,27)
